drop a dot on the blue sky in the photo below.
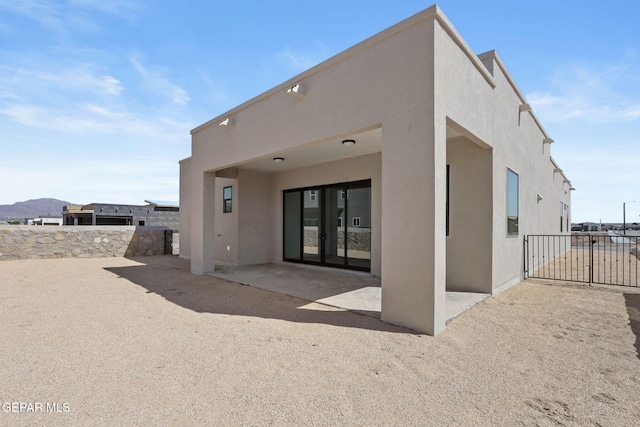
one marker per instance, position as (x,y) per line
(97,97)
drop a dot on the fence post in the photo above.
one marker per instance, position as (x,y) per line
(592,241)
(526,256)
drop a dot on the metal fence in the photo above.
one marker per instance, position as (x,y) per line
(589,258)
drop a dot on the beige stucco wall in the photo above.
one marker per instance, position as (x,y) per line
(415,82)
(471,213)
(254,218)
(226,236)
(491,114)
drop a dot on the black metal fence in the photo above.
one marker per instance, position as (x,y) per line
(589,258)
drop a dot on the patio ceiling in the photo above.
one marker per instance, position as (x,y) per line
(329,150)
(324,151)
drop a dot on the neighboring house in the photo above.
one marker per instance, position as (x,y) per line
(591,226)
(154,213)
(433,148)
(45,220)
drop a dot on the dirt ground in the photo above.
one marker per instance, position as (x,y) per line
(143,342)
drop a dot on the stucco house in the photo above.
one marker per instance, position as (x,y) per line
(407,156)
(154,213)
(45,220)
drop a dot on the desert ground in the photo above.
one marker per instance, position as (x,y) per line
(117,341)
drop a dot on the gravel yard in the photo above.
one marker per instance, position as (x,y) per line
(115,341)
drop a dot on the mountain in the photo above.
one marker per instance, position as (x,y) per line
(33,208)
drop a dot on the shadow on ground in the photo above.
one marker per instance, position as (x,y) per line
(632,302)
(170,278)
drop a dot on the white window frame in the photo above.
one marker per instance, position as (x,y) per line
(355,221)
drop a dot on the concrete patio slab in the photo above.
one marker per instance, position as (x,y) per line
(351,290)
(459,302)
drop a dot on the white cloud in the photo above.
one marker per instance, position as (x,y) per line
(104,111)
(138,66)
(604,95)
(110,85)
(60,17)
(81,78)
(300,60)
(8,94)
(46,12)
(84,99)
(91,119)
(126,9)
(287,61)
(155,80)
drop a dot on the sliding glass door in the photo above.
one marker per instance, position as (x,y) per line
(329,225)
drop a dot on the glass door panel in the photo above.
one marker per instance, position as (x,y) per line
(311,225)
(334,224)
(358,241)
(292,222)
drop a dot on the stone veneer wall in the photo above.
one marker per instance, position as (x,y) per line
(33,242)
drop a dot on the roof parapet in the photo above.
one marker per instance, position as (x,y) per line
(432,12)
(493,55)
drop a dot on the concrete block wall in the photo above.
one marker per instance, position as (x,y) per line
(34,242)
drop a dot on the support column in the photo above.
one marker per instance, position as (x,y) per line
(203,225)
(254,218)
(413,231)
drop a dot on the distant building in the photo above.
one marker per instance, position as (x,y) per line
(593,226)
(154,213)
(588,226)
(45,220)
